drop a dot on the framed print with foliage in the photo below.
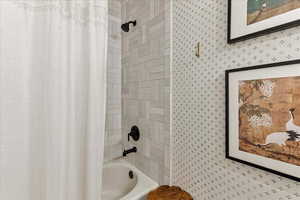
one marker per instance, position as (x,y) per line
(263,117)
(252,18)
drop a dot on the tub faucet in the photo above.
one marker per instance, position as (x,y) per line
(132,150)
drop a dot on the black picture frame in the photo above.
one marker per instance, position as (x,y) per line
(258,33)
(227,123)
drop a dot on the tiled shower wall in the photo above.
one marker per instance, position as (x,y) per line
(146,84)
(199,163)
(113,136)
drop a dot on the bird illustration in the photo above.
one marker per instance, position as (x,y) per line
(276,138)
(290,125)
(280,138)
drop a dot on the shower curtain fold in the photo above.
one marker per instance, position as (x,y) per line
(52,98)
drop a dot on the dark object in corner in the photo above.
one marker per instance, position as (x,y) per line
(125,26)
(133,150)
(134,133)
(130,174)
(166,192)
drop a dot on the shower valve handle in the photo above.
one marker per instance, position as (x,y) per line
(134,133)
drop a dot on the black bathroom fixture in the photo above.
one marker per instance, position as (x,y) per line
(134,133)
(131,175)
(132,150)
(125,26)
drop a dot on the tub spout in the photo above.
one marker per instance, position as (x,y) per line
(132,150)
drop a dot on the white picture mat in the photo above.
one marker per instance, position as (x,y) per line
(234,78)
(239,25)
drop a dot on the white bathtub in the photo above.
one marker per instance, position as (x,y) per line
(117,184)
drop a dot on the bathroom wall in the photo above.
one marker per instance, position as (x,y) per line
(146,84)
(113,136)
(199,163)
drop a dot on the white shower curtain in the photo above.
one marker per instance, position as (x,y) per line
(52,98)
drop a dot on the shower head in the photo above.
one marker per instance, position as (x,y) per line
(125,27)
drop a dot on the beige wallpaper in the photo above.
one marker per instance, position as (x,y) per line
(199,163)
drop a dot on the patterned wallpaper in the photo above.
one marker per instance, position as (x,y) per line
(198,153)
(146,84)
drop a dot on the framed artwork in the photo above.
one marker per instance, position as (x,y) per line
(263,117)
(251,18)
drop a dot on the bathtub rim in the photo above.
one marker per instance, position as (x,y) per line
(144,183)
